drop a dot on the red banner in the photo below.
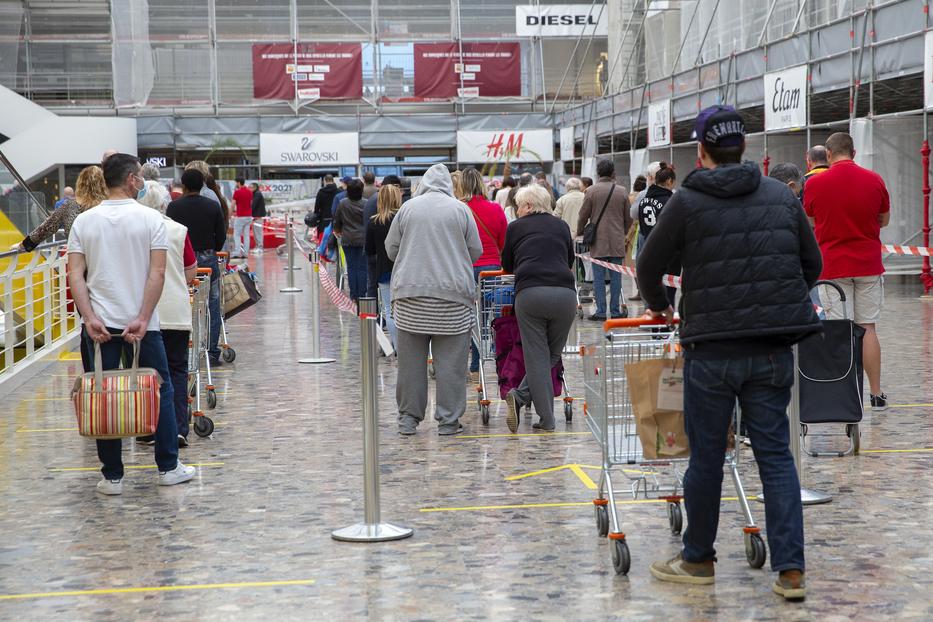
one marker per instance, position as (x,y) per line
(487,70)
(322,71)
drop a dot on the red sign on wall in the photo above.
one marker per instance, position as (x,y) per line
(321,70)
(486,70)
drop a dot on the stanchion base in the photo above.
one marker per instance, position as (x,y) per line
(290,290)
(313,361)
(380,532)
(292,268)
(807,497)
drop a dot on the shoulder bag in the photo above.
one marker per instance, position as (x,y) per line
(486,229)
(589,231)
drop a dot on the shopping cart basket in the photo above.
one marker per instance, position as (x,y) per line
(197,353)
(610,417)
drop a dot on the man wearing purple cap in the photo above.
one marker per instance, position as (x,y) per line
(749,261)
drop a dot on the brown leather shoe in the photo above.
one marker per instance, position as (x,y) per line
(791,585)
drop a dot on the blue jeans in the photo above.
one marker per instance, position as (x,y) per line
(474,353)
(762,385)
(615,287)
(176,352)
(385,294)
(151,354)
(208,259)
(357,271)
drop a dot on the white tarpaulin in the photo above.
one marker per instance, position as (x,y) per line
(638,163)
(562,20)
(324,149)
(862,134)
(928,70)
(566,143)
(131,54)
(659,123)
(505,146)
(786,99)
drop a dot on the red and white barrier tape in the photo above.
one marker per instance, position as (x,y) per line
(897,249)
(668,279)
(336,295)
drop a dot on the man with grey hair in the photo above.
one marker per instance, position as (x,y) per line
(568,206)
(817,162)
(787,173)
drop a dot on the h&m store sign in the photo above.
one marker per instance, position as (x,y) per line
(562,20)
(786,99)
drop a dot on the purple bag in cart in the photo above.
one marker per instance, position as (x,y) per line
(510,359)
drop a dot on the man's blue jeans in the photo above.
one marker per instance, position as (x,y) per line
(615,287)
(151,354)
(762,385)
(208,259)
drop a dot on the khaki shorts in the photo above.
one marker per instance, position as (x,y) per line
(864,299)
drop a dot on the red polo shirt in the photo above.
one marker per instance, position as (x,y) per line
(243,197)
(845,203)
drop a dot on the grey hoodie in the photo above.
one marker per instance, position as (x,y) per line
(434,242)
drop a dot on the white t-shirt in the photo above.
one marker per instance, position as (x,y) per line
(115,238)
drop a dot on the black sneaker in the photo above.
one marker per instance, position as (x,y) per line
(879,402)
(622,315)
(216,361)
(182,441)
(145,440)
(597,318)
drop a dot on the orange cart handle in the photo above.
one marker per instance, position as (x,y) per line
(205,271)
(486,274)
(222,254)
(636,322)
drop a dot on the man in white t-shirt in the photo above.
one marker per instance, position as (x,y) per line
(116,270)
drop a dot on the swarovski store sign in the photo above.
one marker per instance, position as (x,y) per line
(562,20)
(325,149)
(786,99)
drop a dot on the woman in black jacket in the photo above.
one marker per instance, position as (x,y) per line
(388,202)
(650,208)
(539,252)
(348,226)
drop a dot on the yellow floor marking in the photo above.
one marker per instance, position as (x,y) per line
(157,588)
(537,434)
(582,476)
(895,451)
(69,356)
(131,466)
(36,430)
(571,504)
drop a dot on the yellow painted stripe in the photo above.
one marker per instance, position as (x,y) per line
(538,435)
(513,478)
(131,466)
(69,356)
(157,588)
(570,504)
(581,474)
(896,451)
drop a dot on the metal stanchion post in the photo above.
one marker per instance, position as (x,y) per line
(807,495)
(315,312)
(290,274)
(290,228)
(373,529)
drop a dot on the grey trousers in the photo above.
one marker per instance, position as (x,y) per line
(449,353)
(545,315)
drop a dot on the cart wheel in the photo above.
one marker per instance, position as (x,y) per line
(755,551)
(568,411)
(675,517)
(621,560)
(229,355)
(431,372)
(484,412)
(853,432)
(602,520)
(211,399)
(203,426)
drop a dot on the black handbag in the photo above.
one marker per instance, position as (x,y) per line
(589,231)
(312,220)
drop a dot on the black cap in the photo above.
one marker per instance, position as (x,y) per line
(719,126)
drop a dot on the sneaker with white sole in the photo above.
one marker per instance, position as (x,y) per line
(514,405)
(879,402)
(679,570)
(178,475)
(791,585)
(110,486)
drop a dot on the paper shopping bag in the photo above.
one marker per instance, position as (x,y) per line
(660,431)
(671,436)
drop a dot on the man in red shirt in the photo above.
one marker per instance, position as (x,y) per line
(848,206)
(243,197)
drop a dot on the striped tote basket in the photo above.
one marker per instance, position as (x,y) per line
(119,403)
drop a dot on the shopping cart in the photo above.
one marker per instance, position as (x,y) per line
(495,296)
(583,274)
(227,353)
(610,417)
(197,353)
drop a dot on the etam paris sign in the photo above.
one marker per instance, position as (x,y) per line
(324,149)
(786,99)
(562,20)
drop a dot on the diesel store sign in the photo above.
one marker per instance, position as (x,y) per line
(786,99)
(309,149)
(562,20)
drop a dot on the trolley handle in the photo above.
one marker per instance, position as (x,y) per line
(636,322)
(203,272)
(222,254)
(488,274)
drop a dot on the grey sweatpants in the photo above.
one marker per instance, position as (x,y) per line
(545,315)
(449,353)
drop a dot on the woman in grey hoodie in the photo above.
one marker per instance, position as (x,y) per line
(433,242)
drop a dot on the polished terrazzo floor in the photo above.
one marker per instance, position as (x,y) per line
(249,538)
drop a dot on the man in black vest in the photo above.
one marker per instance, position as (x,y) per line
(749,260)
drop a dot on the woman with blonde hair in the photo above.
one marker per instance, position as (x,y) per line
(388,202)
(90,190)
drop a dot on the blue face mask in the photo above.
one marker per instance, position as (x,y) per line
(141,194)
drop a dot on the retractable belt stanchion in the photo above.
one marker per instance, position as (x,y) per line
(807,496)
(290,269)
(315,312)
(373,529)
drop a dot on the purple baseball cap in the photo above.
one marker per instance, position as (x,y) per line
(719,126)
(346,180)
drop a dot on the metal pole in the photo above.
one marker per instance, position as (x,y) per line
(315,313)
(290,269)
(925,276)
(373,529)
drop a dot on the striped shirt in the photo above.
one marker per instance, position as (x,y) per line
(432,316)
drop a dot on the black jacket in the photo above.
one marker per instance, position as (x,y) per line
(749,258)
(375,248)
(323,203)
(259,205)
(539,251)
(650,207)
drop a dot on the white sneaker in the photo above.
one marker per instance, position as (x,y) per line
(110,486)
(178,475)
